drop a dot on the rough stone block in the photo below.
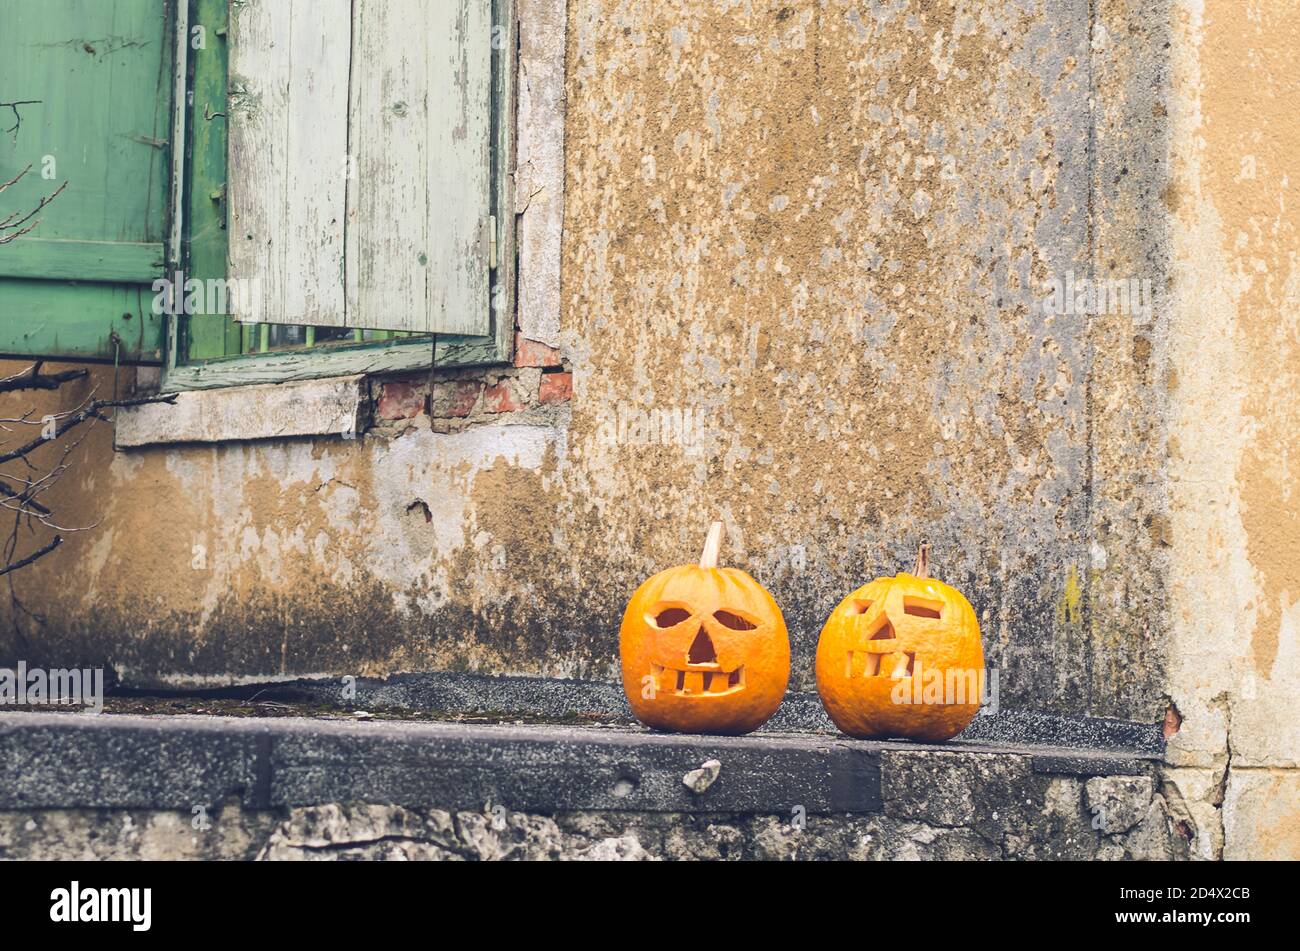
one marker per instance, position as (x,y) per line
(455,399)
(1118,803)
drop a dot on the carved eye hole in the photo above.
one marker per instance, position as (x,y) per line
(670,617)
(922,607)
(734,621)
(860,607)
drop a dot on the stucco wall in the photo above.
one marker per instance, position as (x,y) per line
(827,228)
(820,233)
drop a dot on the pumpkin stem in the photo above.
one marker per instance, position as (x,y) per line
(923,561)
(712,545)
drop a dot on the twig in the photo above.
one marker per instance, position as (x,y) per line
(18,117)
(9,492)
(8,223)
(75,418)
(33,379)
(5,186)
(40,552)
(19,492)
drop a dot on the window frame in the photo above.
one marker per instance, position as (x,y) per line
(198,192)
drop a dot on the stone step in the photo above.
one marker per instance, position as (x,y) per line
(67,760)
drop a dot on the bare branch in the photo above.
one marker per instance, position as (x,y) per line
(23,499)
(18,116)
(18,493)
(33,379)
(4,186)
(40,552)
(8,224)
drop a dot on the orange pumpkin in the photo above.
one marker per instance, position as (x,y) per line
(704,649)
(901,657)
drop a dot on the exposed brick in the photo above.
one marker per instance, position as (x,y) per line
(501,399)
(401,400)
(555,388)
(455,399)
(530,353)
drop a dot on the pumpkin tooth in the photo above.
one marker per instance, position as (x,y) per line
(657,673)
(861,664)
(902,665)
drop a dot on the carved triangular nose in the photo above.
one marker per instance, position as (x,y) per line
(701,651)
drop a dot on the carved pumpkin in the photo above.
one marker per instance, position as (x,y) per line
(704,649)
(901,657)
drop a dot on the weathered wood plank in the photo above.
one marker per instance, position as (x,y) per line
(316,152)
(62,260)
(315,364)
(417,244)
(459,171)
(98,80)
(80,321)
(388,212)
(510,55)
(258,100)
(288,144)
(207,335)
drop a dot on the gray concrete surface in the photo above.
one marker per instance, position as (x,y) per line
(125,786)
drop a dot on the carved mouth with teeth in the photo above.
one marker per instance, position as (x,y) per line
(699,680)
(894,664)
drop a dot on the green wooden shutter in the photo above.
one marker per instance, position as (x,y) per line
(360,183)
(79,286)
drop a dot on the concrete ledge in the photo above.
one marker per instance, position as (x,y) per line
(309,408)
(76,761)
(69,761)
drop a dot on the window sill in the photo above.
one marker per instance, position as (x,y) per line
(336,407)
(289,366)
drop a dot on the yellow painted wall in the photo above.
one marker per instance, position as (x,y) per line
(1235,426)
